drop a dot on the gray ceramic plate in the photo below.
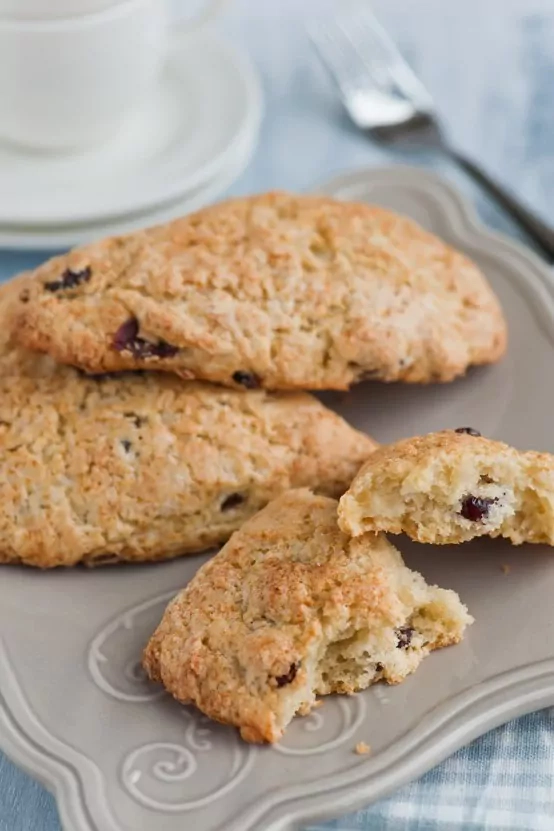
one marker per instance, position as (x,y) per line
(76,712)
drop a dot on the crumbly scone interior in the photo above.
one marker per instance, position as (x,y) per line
(354,657)
(456,498)
(348,657)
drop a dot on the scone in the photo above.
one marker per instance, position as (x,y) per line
(292,608)
(151,468)
(145,467)
(450,487)
(276,291)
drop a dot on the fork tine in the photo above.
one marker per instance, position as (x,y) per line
(376,69)
(335,51)
(365,31)
(359,54)
(370,97)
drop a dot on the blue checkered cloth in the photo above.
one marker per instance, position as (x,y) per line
(503,781)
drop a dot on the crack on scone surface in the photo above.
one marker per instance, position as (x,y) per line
(232,501)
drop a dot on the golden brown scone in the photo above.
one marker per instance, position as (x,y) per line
(450,487)
(292,608)
(148,468)
(143,467)
(276,291)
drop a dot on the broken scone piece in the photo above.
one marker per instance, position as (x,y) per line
(450,487)
(292,608)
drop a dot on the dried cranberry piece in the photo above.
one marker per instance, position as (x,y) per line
(126,334)
(469,430)
(379,667)
(476,508)
(232,501)
(404,637)
(283,680)
(69,279)
(246,379)
(127,339)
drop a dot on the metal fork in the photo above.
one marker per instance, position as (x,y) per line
(385,98)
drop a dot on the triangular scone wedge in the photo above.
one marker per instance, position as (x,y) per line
(450,487)
(153,468)
(292,608)
(277,290)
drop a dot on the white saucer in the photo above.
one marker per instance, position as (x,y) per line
(60,237)
(208,103)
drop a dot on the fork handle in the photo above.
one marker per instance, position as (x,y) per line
(537,230)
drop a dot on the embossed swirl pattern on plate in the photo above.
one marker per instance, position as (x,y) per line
(114,653)
(328,727)
(171,777)
(114,664)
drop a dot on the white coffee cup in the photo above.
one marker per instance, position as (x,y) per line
(69,83)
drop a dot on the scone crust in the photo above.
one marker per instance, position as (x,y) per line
(237,641)
(277,290)
(414,453)
(146,467)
